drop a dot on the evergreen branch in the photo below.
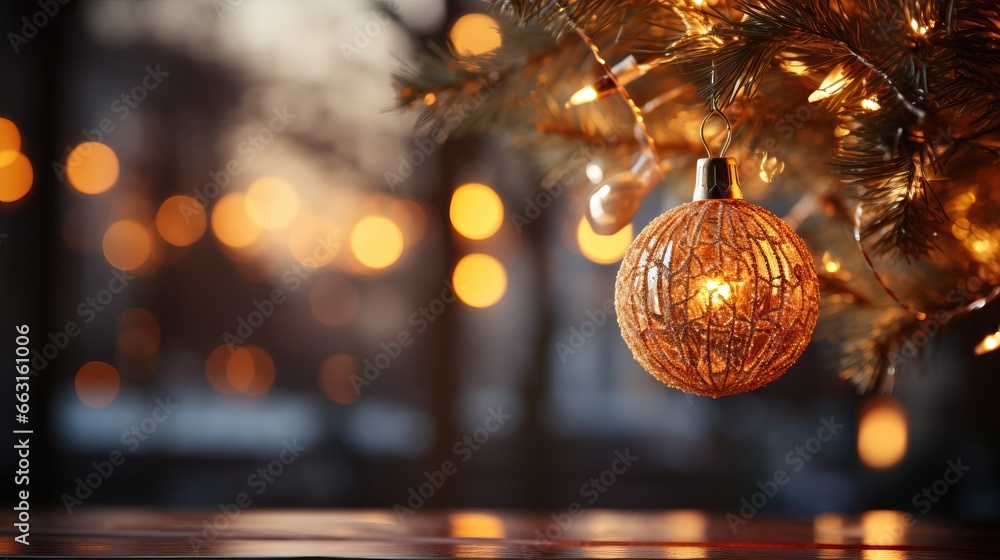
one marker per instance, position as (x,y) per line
(594,16)
(900,216)
(463,86)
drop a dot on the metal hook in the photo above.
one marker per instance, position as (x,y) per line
(715,111)
(729,132)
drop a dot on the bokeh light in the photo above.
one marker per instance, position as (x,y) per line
(10,147)
(602,249)
(335,378)
(272,203)
(333,301)
(215,369)
(10,136)
(476,525)
(181,220)
(138,333)
(476,211)
(92,168)
(988,344)
(16,176)
(127,245)
(314,241)
(97,384)
(250,370)
(231,224)
(882,434)
(475,34)
(883,528)
(376,242)
(480,280)
(7,157)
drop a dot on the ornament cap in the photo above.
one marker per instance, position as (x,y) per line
(717,178)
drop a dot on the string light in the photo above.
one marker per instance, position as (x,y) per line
(831,265)
(834,82)
(770,167)
(870,104)
(793,66)
(585,95)
(613,204)
(626,71)
(988,344)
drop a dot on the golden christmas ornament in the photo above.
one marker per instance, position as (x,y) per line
(717,296)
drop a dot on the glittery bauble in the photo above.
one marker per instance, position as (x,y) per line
(717,297)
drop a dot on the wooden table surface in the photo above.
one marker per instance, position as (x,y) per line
(877,535)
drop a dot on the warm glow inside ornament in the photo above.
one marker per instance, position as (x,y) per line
(717,296)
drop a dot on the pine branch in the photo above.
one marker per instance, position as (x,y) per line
(875,362)
(470,90)
(742,50)
(902,216)
(966,72)
(561,17)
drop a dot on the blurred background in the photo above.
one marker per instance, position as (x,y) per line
(209,211)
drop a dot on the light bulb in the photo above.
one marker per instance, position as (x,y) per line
(614,203)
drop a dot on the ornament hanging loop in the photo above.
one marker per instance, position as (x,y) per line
(729,130)
(715,112)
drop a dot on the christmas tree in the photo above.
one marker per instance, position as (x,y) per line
(876,119)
